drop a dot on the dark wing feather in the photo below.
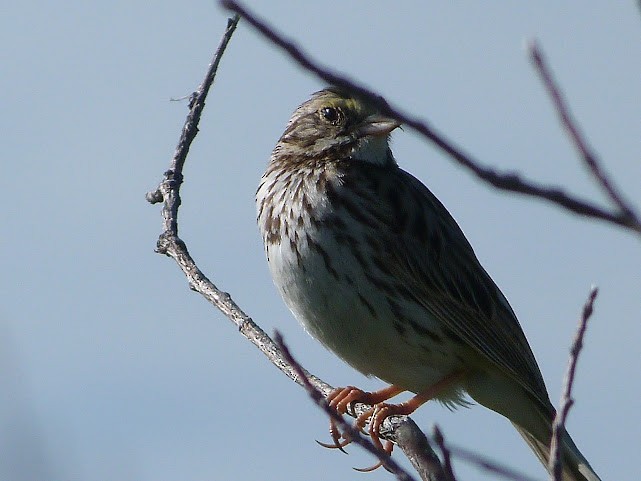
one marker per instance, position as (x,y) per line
(430,256)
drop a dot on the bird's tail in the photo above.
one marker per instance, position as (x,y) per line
(575,466)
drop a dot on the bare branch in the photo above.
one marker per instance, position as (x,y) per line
(471,457)
(507,181)
(171,245)
(447,459)
(189,132)
(490,465)
(555,465)
(417,449)
(569,124)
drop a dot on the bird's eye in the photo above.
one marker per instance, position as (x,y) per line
(330,114)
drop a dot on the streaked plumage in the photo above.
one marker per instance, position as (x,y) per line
(375,268)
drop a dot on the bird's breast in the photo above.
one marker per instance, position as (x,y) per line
(323,266)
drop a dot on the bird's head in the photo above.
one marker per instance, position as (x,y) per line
(335,123)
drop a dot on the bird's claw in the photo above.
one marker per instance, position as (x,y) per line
(389,446)
(336,438)
(340,400)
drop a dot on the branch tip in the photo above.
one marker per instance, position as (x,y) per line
(555,464)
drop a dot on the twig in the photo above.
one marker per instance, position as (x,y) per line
(171,245)
(447,458)
(353,433)
(417,449)
(173,177)
(501,180)
(488,464)
(447,450)
(569,124)
(555,465)
(400,429)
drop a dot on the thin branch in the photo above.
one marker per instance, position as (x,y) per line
(171,245)
(189,132)
(569,124)
(488,465)
(501,180)
(491,466)
(417,449)
(445,452)
(400,429)
(353,433)
(555,465)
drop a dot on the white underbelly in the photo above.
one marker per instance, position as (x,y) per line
(341,308)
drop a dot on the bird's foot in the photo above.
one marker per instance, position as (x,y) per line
(340,399)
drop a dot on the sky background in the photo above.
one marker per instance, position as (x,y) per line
(111,368)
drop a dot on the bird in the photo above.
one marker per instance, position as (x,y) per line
(374,267)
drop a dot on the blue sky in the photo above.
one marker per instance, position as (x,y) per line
(110,368)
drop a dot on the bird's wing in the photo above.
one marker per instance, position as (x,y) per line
(432,258)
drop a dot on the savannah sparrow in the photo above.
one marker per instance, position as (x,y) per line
(376,269)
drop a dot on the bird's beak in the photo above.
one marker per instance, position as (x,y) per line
(377,125)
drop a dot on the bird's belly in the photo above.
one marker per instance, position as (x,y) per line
(359,318)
